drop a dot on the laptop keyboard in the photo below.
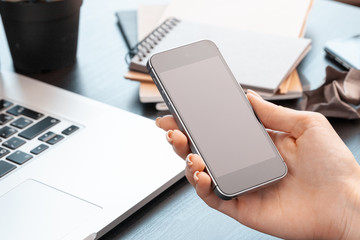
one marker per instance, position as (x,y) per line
(25,134)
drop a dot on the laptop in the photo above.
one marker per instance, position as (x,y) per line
(71,167)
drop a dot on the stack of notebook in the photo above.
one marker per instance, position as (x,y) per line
(262,45)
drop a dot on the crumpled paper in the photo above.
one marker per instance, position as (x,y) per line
(338,97)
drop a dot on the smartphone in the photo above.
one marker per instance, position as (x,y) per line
(344,51)
(211,108)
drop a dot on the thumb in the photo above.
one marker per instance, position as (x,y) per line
(277,117)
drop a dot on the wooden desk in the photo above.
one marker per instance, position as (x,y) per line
(178,213)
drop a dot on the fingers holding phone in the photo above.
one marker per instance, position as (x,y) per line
(166,123)
(179,142)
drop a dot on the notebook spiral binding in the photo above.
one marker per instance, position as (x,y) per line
(144,47)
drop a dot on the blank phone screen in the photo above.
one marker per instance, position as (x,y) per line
(217,116)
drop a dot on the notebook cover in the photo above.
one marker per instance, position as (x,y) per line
(127,22)
(259,61)
(279,17)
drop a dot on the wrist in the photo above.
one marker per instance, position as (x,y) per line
(351,220)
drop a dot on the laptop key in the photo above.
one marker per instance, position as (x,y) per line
(13,143)
(19,157)
(5,118)
(55,139)
(19,110)
(3,152)
(4,104)
(6,131)
(47,136)
(39,149)
(21,123)
(39,128)
(70,130)
(5,168)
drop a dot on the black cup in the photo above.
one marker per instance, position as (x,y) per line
(42,35)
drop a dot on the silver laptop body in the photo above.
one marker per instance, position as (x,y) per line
(91,180)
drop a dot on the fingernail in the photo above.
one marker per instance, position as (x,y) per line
(188,159)
(254,93)
(168,136)
(196,178)
(157,121)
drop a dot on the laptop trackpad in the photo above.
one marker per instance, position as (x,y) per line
(37,211)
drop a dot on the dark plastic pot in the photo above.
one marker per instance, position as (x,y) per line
(42,36)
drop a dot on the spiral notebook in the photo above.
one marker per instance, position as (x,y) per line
(258,61)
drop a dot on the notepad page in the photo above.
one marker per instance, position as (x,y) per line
(148,17)
(279,17)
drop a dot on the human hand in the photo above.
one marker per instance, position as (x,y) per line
(319,197)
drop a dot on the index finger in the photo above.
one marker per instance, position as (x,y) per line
(166,123)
